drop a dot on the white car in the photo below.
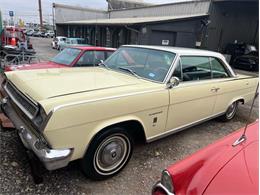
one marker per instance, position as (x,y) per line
(57,41)
(49,33)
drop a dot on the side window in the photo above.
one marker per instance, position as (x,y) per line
(87,59)
(195,68)
(177,71)
(218,70)
(99,55)
(109,53)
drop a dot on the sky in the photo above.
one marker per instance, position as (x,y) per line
(28,9)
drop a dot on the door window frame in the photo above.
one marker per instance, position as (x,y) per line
(178,60)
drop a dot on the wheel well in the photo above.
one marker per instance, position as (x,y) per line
(242,101)
(134,128)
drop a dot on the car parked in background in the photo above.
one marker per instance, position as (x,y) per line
(139,93)
(248,61)
(70,57)
(243,56)
(57,41)
(37,34)
(49,34)
(30,32)
(229,166)
(73,42)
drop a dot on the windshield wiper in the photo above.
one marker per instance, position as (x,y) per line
(129,70)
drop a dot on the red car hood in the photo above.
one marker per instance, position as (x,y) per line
(196,173)
(42,65)
(240,175)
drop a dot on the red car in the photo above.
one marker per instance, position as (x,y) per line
(70,57)
(226,167)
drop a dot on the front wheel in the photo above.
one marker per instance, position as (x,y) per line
(230,113)
(107,154)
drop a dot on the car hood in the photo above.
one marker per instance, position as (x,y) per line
(239,175)
(43,65)
(209,162)
(52,83)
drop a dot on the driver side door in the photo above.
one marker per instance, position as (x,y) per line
(194,98)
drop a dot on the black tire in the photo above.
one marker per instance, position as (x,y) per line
(114,144)
(230,112)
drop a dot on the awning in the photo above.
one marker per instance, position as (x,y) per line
(132,21)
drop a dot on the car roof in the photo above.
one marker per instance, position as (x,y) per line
(60,37)
(180,50)
(94,48)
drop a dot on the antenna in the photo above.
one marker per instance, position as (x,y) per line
(247,122)
(243,136)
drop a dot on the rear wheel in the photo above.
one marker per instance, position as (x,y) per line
(107,154)
(230,113)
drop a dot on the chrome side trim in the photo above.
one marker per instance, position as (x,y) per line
(61,95)
(178,129)
(101,99)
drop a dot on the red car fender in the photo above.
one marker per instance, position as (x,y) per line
(193,174)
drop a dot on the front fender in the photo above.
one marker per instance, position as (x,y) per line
(79,137)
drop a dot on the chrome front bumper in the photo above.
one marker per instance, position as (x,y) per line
(159,185)
(51,158)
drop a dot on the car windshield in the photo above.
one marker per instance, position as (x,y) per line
(142,62)
(66,56)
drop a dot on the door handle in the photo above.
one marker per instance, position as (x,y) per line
(215,89)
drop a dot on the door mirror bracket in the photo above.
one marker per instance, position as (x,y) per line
(174,81)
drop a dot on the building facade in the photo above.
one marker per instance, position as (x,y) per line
(209,24)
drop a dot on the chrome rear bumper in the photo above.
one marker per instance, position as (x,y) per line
(51,158)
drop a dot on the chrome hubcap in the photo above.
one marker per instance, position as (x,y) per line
(231,110)
(111,154)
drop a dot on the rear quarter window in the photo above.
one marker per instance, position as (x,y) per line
(218,69)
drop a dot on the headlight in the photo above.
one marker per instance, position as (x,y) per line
(39,119)
(166,181)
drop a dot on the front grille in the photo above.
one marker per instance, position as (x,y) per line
(22,101)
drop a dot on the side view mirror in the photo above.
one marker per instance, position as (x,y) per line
(174,81)
(99,62)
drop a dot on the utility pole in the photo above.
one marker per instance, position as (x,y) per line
(53,19)
(40,12)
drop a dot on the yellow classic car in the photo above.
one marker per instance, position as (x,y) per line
(139,93)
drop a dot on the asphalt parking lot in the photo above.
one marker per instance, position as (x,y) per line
(139,175)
